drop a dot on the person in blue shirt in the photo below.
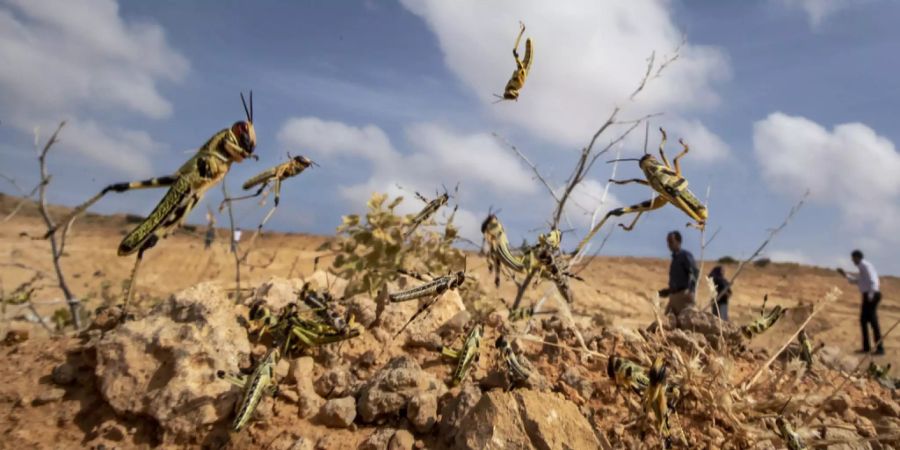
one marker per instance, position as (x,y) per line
(683,274)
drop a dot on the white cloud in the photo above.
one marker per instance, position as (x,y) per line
(329,139)
(589,56)
(441,156)
(795,256)
(818,10)
(66,58)
(850,168)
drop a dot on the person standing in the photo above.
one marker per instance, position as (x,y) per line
(867,282)
(723,292)
(683,274)
(235,239)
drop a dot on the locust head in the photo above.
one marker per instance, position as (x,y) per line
(244,132)
(302,161)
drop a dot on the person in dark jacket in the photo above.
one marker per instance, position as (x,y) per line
(682,276)
(723,292)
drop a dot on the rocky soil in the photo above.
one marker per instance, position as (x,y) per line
(151,382)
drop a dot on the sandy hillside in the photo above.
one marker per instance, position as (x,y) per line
(66,391)
(617,289)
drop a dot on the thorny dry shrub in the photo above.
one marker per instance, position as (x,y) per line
(369,252)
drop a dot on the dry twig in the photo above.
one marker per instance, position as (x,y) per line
(56,247)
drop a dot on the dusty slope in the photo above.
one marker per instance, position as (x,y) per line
(617,291)
(35,412)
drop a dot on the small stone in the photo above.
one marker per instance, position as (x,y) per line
(63,374)
(49,396)
(338,412)
(886,406)
(379,440)
(14,337)
(838,404)
(290,395)
(302,443)
(282,369)
(402,440)
(335,382)
(865,427)
(422,411)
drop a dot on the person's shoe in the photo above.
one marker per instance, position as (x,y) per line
(880,351)
(862,351)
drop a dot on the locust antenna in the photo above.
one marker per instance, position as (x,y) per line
(246,111)
(646,135)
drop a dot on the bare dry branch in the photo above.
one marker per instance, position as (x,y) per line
(234,245)
(56,248)
(25,196)
(534,168)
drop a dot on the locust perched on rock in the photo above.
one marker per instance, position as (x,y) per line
(467,355)
(433,289)
(186,188)
(516,370)
(261,383)
(764,321)
(628,374)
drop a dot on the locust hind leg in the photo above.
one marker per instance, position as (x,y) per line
(244,197)
(678,156)
(277,189)
(117,187)
(641,208)
(662,143)
(648,205)
(632,180)
(151,241)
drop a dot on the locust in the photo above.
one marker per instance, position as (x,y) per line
(321,303)
(431,207)
(764,321)
(542,259)
(296,331)
(294,166)
(433,289)
(517,371)
(876,371)
(628,374)
(467,355)
(260,383)
(786,432)
(523,66)
(669,186)
(806,348)
(187,185)
(498,248)
(659,398)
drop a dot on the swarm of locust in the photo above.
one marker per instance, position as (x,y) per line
(309,322)
(186,187)
(543,260)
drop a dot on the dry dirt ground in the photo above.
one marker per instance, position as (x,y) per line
(618,291)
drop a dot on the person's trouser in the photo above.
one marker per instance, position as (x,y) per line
(721,309)
(869,316)
(679,301)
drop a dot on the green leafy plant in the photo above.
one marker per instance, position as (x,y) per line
(369,250)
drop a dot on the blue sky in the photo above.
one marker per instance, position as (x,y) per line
(775,96)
